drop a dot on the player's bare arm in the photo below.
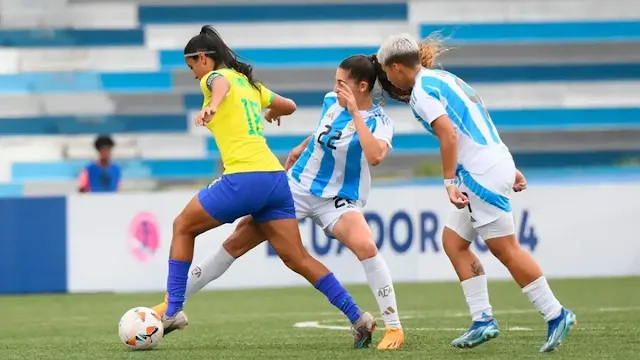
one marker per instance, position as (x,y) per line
(282,106)
(449,152)
(294,155)
(219,89)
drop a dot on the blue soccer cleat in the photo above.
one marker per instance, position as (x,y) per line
(558,330)
(479,333)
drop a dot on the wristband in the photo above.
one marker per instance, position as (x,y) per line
(449,182)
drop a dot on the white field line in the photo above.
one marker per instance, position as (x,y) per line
(322,324)
(318,325)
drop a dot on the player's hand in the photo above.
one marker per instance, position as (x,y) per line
(457,198)
(294,155)
(345,94)
(272,116)
(204,116)
(520,183)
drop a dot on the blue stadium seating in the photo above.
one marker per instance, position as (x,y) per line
(537,32)
(131,169)
(71,37)
(74,125)
(279,57)
(74,82)
(272,12)
(145,58)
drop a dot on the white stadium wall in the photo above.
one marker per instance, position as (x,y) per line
(578,231)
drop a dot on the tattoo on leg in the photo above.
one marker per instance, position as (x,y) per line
(476,268)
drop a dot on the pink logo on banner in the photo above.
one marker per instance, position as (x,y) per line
(144,236)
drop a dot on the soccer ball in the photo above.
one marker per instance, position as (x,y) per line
(141,329)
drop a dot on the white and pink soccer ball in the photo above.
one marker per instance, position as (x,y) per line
(141,329)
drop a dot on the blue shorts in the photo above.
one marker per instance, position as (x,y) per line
(265,196)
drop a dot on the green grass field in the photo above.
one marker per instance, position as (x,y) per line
(259,324)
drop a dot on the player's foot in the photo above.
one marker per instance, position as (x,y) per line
(558,330)
(479,333)
(178,322)
(393,339)
(363,330)
(161,308)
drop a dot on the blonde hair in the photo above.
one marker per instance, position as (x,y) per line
(430,48)
(427,49)
(397,45)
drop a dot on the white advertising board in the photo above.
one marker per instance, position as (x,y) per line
(121,242)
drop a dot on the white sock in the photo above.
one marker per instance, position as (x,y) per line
(542,298)
(210,269)
(379,279)
(477,295)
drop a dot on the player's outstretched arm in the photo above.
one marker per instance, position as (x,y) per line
(282,106)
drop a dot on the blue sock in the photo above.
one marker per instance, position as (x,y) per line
(339,296)
(176,285)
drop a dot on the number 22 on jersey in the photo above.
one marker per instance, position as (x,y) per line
(254,117)
(331,137)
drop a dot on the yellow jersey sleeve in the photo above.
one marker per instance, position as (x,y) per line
(266,96)
(206,92)
(237,126)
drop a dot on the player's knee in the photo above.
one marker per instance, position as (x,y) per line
(363,247)
(181,225)
(504,248)
(294,264)
(234,247)
(236,244)
(453,243)
(296,261)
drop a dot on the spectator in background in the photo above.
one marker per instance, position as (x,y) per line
(101,175)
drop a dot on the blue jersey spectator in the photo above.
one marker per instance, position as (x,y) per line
(101,175)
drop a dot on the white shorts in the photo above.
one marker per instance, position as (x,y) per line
(324,212)
(489,212)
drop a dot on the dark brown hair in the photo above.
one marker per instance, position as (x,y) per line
(211,44)
(368,69)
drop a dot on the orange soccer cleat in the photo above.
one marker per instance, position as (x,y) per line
(393,339)
(161,308)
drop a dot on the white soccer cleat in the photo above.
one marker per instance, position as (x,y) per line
(178,322)
(363,330)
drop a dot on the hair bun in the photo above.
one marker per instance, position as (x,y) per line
(205,30)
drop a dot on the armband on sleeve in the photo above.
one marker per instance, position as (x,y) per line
(210,79)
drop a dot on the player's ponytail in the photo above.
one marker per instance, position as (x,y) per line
(430,48)
(209,43)
(368,69)
(386,85)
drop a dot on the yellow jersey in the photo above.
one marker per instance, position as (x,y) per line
(237,125)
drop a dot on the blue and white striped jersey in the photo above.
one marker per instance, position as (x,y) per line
(438,93)
(333,164)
